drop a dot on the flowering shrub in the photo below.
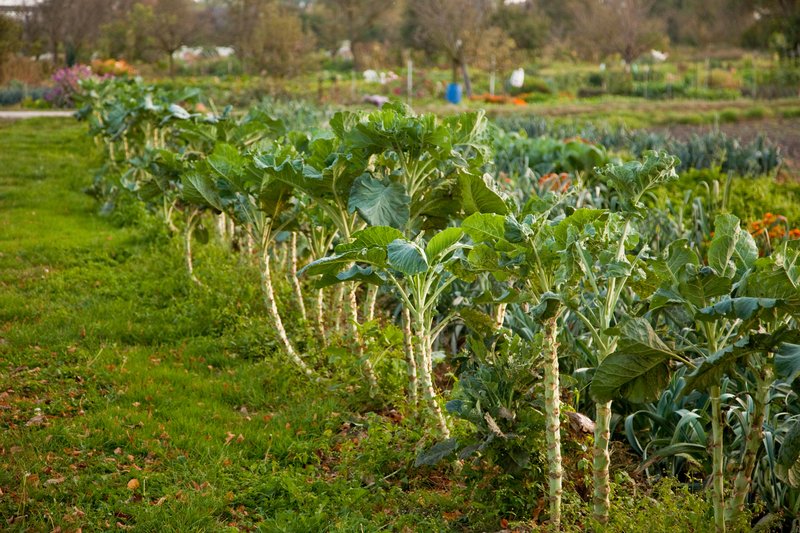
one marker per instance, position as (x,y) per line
(770,230)
(67,84)
(112,67)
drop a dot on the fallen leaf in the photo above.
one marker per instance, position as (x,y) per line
(133,484)
(54,481)
(117,451)
(37,420)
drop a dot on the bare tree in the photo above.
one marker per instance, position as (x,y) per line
(358,21)
(455,27)
(174,24)
(624,27)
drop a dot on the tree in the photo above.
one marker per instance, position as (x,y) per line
(455,27)
(624,27)
(270,36)
(358,21)
(10,33)
(174,23)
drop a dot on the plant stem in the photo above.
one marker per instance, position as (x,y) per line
(369,372)
(717,476)
(410,361)
(298,291)
(755,434)
(552,401)
(425,368)
(191,223)
(321,315)
(338,304)
(602,460)
(272,308)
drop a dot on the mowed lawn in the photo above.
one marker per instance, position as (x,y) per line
(132,399)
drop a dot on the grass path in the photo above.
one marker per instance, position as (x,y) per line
(130,399)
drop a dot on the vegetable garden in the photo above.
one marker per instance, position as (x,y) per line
(534,300)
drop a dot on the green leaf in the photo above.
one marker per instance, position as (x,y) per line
(200,189)
(787,362)
(638,370)
(703,285)
(578,222)
(788,465)
(479,322)
(371,237)
(226,161)
(710,371)
(436,453)
(380,203)
(633,179)
(479,197)
(732,250)
(406,257)
(442,241)
(483,258)
(485,227)
(743,308)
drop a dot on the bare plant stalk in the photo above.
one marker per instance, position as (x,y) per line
(425,369)
(755,434)
(298,291)
(500,315)
(272,308)
(369,372)
(370,303)
(338,304)
(191,224)
(249,243)
(552,400)
(410,360)
(321,315)
(717,469)
(602,460)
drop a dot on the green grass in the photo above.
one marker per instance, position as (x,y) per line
(114,368)
(132,399)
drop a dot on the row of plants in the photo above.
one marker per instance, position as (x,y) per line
(578,296)
(700,151)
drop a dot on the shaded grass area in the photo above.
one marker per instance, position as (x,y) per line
(131,399)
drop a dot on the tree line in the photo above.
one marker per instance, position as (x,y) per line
(285,37)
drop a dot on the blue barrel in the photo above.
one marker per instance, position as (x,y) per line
(453,94)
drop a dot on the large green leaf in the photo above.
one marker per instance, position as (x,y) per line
(485,227)
(788,464)
(787,361)
(200,189)
(226,161)
(406,257)
(711,370)
(732,250)
(478,197)
(744,308)
(581,221)
(371,237)
(442,241)
(639,368)
(703,285)
(380,203)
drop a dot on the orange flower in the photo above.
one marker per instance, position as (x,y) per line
(794,233)
(769,218)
